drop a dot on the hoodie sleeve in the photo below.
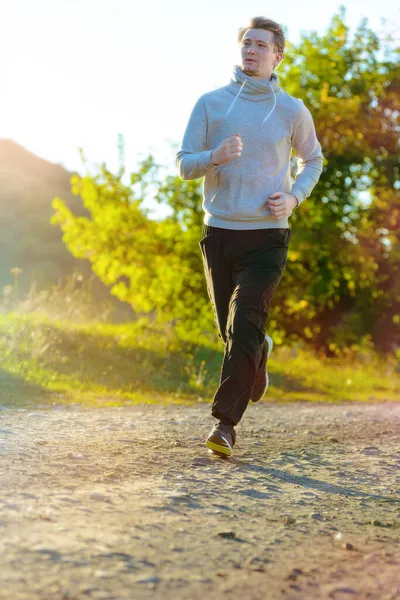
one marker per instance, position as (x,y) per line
(192,159)
(308,154)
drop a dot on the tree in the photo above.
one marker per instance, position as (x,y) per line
(155,266)
(341,283)
(335,268)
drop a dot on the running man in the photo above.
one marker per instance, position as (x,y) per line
(239,138)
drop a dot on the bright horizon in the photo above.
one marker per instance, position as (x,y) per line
(78,73)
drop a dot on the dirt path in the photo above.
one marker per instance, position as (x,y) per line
(127,503)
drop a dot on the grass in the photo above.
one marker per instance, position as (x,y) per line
(46,360)
(59,347)
(98,363)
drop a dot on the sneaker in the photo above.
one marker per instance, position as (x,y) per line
(221,439)
(262,380)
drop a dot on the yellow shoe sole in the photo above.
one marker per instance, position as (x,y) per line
(218,449)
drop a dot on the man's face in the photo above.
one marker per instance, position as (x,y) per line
(258,53)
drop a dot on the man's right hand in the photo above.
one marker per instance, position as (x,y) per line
(228,149)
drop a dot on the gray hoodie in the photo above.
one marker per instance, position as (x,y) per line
(271,123)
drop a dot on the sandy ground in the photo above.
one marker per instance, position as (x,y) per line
(127,503)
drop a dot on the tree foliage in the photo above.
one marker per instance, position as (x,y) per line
(155,266)
(341,286)
(341,255)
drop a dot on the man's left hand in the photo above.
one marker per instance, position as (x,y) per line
(281,204)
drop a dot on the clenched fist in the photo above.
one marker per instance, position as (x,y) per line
(228,149)
(282,204)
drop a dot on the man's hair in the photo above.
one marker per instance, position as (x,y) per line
(268,25)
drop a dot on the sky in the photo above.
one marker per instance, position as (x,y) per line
(76,73)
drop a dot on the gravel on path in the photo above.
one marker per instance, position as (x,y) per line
(128,503)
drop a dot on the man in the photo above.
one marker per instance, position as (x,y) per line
(240,137)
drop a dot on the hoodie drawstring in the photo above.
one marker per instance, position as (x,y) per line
(237,96)
(272,110)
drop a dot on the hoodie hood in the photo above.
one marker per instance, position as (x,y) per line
(253,89)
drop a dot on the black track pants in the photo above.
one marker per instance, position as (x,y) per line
(242,269)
